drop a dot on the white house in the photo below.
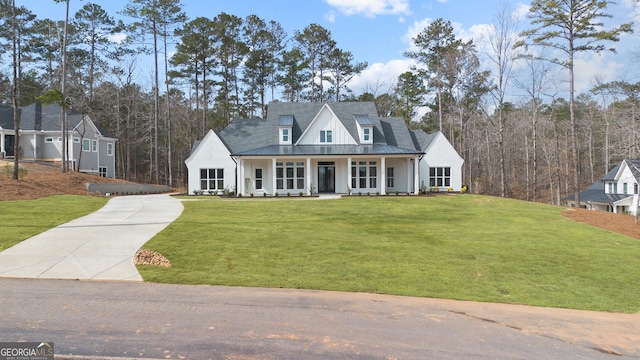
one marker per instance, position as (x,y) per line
(322,148)
(616,192)
(91,149)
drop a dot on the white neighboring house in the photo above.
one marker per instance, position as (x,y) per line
(322,148)
(91,149)
(616,192)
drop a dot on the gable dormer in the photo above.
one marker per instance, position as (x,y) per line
(365,128)
(326,129)
(285,129)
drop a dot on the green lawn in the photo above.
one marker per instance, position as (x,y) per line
(449,246)
(25,218)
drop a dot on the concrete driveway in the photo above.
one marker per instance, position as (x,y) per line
(99,246)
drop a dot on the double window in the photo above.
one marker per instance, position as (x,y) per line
(290,175)
(212,179)
(102,171)
(364,174)
(326,136)
(440,176)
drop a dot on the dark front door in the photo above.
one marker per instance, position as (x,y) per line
(326,177)
(9,143)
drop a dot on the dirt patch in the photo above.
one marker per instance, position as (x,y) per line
(40,180)
(620,223)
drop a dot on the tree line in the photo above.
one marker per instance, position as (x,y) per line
(542,148)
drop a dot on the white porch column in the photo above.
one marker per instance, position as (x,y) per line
(273,177)
(349,175)
(2,150)
(409,169)
(309,180)
(240,189)
(383,176)
(416,175)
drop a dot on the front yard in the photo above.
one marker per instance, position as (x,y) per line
(451,246)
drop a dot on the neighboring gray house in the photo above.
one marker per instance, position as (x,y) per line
(616,192)
(322,148)
(91,149)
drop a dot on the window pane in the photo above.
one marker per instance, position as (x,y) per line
(289,172)
(203,184)
(300,172)
(363,183)
(258,173)
(353,183)
(390,172)
(447,181)
(220,184)
(432,171)
(439,170)
(290,163)
(289,183)
(329,136)
(258,184)
(212,173)
(322,136)
(363,171)
(373,183)
(220,173)
(203,173)
(212,184)
(439,181)
(280,172)
(279,184)
(373,171)
(447,171)
(300,183)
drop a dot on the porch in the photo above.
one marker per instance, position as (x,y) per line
(321,175)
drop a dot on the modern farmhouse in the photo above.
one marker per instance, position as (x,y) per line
(309,148)
(616,192)
(91,149)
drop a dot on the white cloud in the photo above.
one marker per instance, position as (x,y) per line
(118,38)
(371,8)
(379,78)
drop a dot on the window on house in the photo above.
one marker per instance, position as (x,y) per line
(94,145)
(364,175)
(290,175)
(102,171)
(86,145)
(279,176)
(624,188)
(212,179)
(48,139)
(285,135)
(390,177)
(326,136)
(635,188)
(76,140)
(440,176)
(258,179)
(367,134)
(373,175)
(59,139)
(109,149)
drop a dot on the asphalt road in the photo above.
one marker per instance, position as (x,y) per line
(88,319)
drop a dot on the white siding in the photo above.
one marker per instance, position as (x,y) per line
(326,120)
(442,154)
(211,153)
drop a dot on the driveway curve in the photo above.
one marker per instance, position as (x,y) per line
(98,246)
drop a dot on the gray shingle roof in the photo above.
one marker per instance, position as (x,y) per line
(6,117)
(259,137)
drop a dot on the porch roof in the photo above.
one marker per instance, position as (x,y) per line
(595,194)
(332,150)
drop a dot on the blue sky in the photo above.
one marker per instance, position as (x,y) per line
(379,31)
